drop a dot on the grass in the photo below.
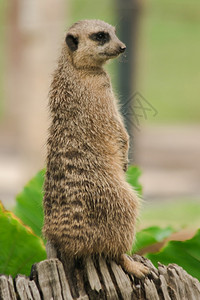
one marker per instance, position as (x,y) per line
(171,76)
(92,10)
(178,213)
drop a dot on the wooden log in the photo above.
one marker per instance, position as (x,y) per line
(7,288)
(26,289)
(97,278)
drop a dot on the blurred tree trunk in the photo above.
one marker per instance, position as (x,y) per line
(128,23)
(34,33)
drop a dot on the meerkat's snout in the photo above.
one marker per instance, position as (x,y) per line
(122,48)
(112,49)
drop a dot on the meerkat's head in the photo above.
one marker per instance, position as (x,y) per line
(91,43)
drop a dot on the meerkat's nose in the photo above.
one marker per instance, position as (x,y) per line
(122,48)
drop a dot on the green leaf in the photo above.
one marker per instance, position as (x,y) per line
(186,254)
(150,236)
(133,173)
(29,203)
(20,248)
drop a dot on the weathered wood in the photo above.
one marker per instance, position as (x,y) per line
(26,289)
(110,290)
(122,281)
(7,288)
(51,280)
(96,278)
(92,275)
(150,290)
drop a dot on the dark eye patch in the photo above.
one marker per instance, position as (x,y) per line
(101,37)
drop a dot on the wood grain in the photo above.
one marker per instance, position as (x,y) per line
(97,278)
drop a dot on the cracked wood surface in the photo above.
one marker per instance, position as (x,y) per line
(99,279)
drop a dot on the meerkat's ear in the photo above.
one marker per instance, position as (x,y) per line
(72,42)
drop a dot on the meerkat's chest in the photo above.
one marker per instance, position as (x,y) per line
(97,97)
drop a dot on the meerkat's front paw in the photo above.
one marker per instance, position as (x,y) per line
(137,269)
(133,267)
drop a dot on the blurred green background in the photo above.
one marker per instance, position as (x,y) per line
(167,75)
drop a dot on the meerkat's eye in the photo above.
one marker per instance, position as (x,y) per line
(101,37)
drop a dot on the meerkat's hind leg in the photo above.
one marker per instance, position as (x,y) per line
(133,267)
(51,250)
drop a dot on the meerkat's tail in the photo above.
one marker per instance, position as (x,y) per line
(133,267)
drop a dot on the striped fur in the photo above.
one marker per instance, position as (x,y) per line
(88,205)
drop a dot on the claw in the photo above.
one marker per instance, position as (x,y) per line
(133,267)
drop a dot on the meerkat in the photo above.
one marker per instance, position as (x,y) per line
(89,207)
